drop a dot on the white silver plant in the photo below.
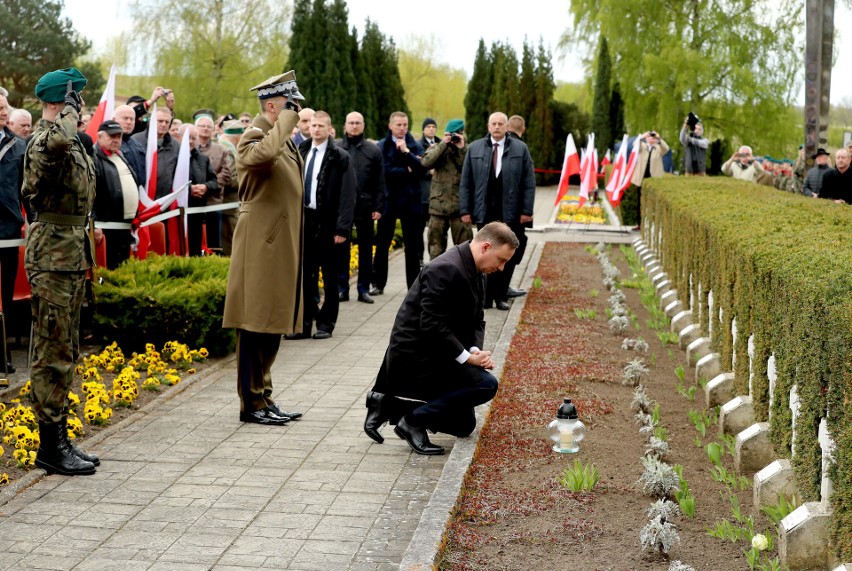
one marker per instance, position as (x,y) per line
(657,448)
(676,565)
(659,536)
(659,479)
(641,401)
(618,324)
(633,372)
(664,509)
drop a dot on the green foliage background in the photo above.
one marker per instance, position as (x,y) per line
(779,264)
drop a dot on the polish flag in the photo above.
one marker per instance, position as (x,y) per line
(106,107)
(626,177)
(606,161)
(617,168)
(181,180)
(570,166)
(146,195)
(162,204)
(589,171)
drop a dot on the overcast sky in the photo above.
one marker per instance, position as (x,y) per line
(458,25)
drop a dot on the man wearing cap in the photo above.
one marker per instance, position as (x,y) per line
(218,156)
(59,185)
(264,296)
(813,182)
(12,150)
(117,194)
(446,159)
(230,137)
(369,205)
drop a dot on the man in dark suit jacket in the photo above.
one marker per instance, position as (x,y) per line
(329,208)
(498,183)
(203,185)
(434,356)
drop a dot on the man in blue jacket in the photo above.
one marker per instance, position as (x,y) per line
(401,160)
(498,184)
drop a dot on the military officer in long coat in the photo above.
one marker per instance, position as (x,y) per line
(264,297)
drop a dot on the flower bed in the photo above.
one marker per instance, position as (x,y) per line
(569,211)
(517,510)
(106,389)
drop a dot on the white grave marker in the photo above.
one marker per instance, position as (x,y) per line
(795,404)
(826,444)
(750,362)
(734,343)
(710,311)
(772,375)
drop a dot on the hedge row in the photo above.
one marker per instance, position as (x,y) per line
(163,299)
(781,265)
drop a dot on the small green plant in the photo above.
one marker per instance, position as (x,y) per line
(681,374)
(700,421)
(580,478)
(683,495)
(697,442)
(585,313)
(730,480)
(727,531)
(594,293)
(592,249)
(661,433)
(779,511)
(536,283)
(730,442)
(688,393)
(714,453)
(667,338)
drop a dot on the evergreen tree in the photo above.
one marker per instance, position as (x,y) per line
(616,114)
(300,44)
(380,61)
(540,132)
(511,89)
(338,78)
(601,124)
(527,85)
(364,91)
(478,93)
(497,94)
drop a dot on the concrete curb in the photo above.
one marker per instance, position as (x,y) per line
(428,538)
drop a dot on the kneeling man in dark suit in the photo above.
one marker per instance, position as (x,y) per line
(434,371)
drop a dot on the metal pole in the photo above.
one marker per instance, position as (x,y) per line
(819,43)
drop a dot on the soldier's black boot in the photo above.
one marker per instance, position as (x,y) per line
(74,450)
(55,456)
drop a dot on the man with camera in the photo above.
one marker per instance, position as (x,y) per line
(649,163)
(446,159)
(694,146)
(742,165)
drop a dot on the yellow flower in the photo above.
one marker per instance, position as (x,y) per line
(191,371)
(203,352)
(4,479)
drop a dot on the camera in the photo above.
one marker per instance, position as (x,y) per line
(166,91)
(692,120)
(454,138)
(653,134)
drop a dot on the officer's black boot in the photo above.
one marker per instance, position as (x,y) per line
(74,450)
(54,454)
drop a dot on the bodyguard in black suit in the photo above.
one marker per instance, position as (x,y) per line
(329,208)
(434,360)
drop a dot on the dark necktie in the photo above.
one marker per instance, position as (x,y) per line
(494,159)
(309,176)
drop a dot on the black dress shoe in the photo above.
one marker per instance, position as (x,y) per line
(515,292)
(376,290)
(343,296)
(365,298)
(264,416)
(375,416)
(320,334)
(294,336)
(291,415)
(10,368)
(502,305)
(417,439)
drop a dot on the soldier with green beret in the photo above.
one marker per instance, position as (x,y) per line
(59,185)
(447,159)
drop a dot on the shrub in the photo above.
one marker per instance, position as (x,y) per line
(161,299)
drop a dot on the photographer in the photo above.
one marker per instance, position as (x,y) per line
(742,165)
(650,148)
(446,158)
(694,146)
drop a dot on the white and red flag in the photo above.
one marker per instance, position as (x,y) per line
(617,169)
(106,107)
(588,171)
(626,176)
(570,166)
(181,180)
(606,161)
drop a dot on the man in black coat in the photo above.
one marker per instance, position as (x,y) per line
(369,205)
(329,206)
(498,183)
(434,360)
(116,193)
(167,151)
(202,185)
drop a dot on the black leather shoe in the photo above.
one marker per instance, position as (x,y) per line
(502,305)
(294,336)
(375,416)
(343,296)
(365,298)
(11,368)
(417,439)
(291,415)
(264,416)
(320,334)
(376,290)
(515,292)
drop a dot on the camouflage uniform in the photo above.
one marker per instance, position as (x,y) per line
(59,184)
(800,170)
(447,161)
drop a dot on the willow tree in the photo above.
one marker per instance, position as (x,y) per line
(721,59)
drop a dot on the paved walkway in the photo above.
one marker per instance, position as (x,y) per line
(188,486)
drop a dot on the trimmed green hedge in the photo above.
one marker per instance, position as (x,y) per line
(782,266)
(163,299)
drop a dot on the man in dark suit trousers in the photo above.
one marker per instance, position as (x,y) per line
(434,357)
(329,208)
(498,183)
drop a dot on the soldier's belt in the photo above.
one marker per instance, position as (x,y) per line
(60,219)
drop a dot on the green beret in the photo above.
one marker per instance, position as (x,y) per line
(234,128)
(52,86)
(454,126)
